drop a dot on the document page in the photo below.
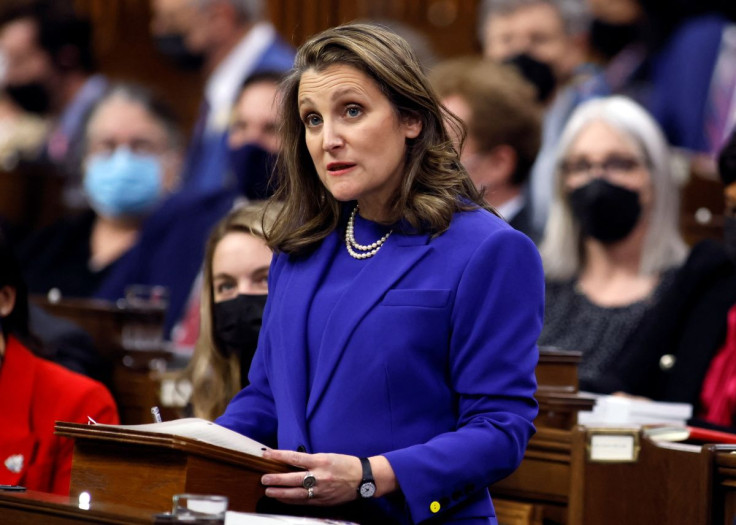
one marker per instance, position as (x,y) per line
(201,430)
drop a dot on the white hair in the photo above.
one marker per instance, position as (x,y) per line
(574,13)
(663,246)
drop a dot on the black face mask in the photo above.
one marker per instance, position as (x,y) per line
(606,212)
(237,325)
(537,73)
(32,97)
(729,236)
(610,39)
(173,47)
(252,166)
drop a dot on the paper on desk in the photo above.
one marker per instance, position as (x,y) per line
(247,518)
(627,411)
(202,430)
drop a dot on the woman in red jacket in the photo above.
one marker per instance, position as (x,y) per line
(36,393)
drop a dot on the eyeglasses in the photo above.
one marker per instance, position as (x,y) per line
(612,165)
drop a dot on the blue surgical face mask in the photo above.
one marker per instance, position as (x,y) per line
(123,184)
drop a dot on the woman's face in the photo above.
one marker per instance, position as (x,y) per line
(240,266)
(601,151)
(355,136)
(121,123)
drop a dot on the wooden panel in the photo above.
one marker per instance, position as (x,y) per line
(702,206)
(158,474)
(125,51)
(107,459)
(668,484)
(450,25)
(557,370)
(544,474)
(723,483)
(34,508)
(515,513)
(30,196)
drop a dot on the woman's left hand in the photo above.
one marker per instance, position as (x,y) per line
(337,478)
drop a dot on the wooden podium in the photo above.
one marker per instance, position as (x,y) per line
(116,465)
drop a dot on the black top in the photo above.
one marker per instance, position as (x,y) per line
(573,322)
(58,257)
(688,325)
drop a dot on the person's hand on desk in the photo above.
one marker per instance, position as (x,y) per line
(336,478)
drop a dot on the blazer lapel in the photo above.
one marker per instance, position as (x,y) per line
(396,257)
(299,287)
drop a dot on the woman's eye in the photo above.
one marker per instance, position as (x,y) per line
(312,120)
(353,111)
(224,287)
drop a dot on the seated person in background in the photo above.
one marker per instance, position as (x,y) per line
(171,248)
(50,70)
(553,32)
(503,121)
(612,240)
(233,296)
(132,160)
(253,140)
(690,333)
(36,394)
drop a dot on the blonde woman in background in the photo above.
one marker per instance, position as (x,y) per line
(234,288)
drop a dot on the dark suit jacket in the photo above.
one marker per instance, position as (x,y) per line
(428,358)
(523,222)
(688,323)
(206,165)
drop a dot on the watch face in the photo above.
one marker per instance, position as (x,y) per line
(367,489)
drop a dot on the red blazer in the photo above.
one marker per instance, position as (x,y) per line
(34,394)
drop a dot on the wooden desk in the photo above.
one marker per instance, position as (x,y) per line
(34,508)
(669,483)
(722,483)
(113,464)
(556,483)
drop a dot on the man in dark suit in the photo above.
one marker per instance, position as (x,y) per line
(503,120)
(229,40)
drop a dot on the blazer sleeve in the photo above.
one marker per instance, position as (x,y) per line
(496,319)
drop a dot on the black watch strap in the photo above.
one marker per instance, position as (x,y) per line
(367,487)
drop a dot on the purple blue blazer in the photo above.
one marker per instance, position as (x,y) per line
(428,359)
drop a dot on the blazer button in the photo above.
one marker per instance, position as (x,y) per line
(301,448)
(666,362)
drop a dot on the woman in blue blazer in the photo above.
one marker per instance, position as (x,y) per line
(396,360)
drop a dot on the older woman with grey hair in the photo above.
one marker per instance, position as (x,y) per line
(612,238)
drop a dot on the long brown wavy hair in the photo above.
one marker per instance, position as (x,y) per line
(215,379)
(435,185)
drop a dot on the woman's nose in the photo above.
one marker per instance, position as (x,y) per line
(331,137)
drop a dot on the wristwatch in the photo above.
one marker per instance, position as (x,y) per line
(367,487)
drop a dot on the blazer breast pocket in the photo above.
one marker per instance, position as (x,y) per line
(419,298)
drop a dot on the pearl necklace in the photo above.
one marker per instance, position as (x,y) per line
(352,245)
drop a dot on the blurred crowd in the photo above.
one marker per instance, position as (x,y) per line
(581,121)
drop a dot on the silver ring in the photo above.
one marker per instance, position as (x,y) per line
(309,481)
(310,493)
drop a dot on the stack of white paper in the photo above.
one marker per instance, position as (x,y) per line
(618,411)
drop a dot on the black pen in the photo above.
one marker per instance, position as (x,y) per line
(14,488)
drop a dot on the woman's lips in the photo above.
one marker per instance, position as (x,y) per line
(339,168)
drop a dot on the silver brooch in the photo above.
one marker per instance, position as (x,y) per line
(14,463)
